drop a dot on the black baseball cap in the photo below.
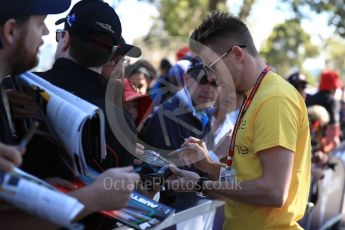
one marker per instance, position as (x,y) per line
(125,49)
(296,78)
(20,8)
(195,67)
(198,72)
(24,8)
(89,17)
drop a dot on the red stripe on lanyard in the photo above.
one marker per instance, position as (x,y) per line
(244,107)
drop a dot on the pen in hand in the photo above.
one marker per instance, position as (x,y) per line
(28,136)
(184,148)
(198,142)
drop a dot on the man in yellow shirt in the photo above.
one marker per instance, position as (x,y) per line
(270,149)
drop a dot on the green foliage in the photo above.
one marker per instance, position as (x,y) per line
(288,46)
(335,53)
(177,20)
(335,9)
(180,16)
(245,9)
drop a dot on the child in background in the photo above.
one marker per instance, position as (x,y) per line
(136,104)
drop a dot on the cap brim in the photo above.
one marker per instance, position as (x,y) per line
(51,6)
(128,50)
(60,21)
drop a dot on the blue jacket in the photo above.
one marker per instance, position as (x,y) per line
(175,120)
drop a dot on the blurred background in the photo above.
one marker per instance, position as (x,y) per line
(304,35)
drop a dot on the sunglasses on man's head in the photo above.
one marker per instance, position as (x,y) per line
(59,34)
(210,66)
(199,74)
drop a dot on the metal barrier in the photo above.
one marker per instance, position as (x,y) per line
(329,210)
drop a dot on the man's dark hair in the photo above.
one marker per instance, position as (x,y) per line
(222,24)
(141,66)
(89,53)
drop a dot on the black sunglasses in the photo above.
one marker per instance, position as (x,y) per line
(199,74)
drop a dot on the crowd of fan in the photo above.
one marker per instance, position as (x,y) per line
(163,109)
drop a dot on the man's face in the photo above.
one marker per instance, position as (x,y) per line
(202,93)
(25,52)
(225,70)
(115,66)
(226,74)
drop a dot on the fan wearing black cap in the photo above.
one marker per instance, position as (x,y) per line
(90,38)
(116,64)
(299,81)
(21,29)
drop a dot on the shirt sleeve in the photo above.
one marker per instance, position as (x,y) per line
(334,108)
(276,124)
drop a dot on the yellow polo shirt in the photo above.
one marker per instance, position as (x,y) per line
(277,116)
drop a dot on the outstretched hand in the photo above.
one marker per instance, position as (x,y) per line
(181,180)
(112,189)
(10,157)
(193,152)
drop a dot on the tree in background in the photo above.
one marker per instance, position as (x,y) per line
(176,21)
(335,9)
(335,52)
(288,46)
(179,18)
(334,47)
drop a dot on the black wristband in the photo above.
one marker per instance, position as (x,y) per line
(198,187)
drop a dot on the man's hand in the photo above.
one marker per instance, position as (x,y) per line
(139,149)
(10,157)
(22,104)
(194,153)
(111,189)
(182,180)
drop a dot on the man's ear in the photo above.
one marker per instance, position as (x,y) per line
(239,53)
(10,32)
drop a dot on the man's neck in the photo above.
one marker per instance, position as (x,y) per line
(95,69)
(4,70)
(250,75)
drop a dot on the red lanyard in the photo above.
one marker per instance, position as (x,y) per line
(244,107)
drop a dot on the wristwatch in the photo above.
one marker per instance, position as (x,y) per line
(198,187)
